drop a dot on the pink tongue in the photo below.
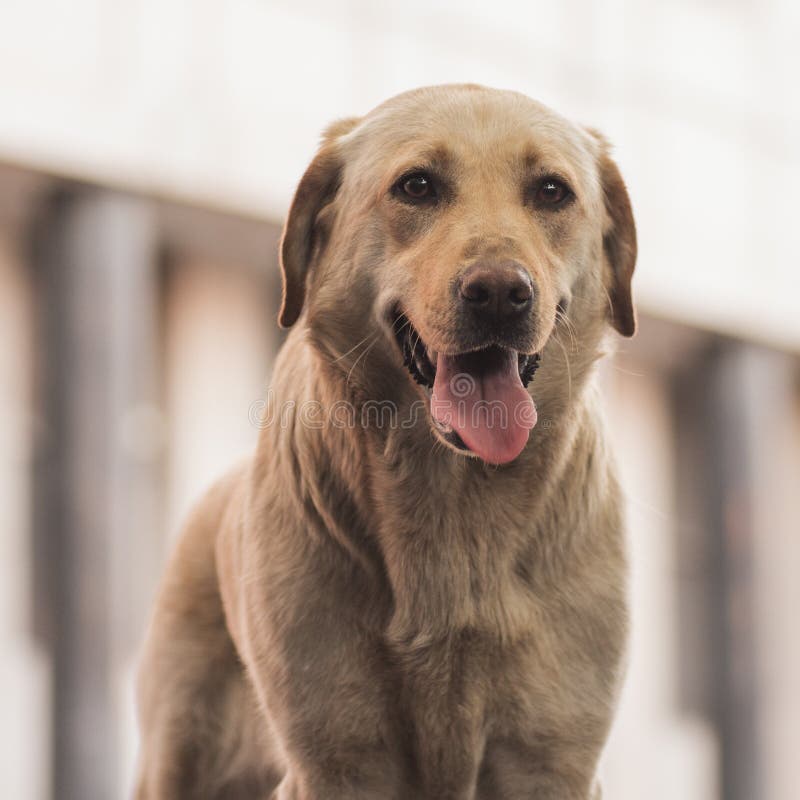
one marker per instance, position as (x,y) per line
(481,397)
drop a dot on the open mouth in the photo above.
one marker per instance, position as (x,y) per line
(478,399)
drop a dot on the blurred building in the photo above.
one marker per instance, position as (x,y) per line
(148,151)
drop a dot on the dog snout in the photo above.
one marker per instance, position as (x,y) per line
(496,291)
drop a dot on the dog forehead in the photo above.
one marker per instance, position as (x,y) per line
(457,108)
(465,121)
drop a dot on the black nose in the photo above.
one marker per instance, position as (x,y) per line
(496,291)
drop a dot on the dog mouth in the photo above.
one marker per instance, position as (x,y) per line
(479,402)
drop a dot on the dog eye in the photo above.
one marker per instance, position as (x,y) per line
(551,193)
(416,187)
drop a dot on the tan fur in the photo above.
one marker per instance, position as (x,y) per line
(360,612)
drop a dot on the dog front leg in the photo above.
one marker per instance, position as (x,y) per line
(320,673)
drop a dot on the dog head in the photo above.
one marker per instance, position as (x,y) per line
(463,236)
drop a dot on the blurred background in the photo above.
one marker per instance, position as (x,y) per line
(148,152)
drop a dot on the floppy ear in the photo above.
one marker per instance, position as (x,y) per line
(302,237)
(619,241)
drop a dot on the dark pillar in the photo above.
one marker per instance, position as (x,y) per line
(94,496)
(718,418)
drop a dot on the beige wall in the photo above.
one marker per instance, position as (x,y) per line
(656,750)
(218,349)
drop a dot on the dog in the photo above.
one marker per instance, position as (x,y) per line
(416,588)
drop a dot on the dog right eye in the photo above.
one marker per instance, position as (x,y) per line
(416,187)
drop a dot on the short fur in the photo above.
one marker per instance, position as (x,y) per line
(359,611)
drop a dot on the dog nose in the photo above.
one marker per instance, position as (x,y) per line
(496,291)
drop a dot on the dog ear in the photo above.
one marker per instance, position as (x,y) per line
(302,238)
(619,241)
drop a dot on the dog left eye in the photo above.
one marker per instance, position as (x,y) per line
(417,187)
(551,192)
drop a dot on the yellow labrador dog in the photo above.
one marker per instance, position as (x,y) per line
(416,589)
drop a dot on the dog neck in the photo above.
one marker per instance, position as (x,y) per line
(395,499)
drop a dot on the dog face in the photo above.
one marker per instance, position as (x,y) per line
(473,232)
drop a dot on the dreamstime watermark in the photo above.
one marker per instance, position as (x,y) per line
(457,409)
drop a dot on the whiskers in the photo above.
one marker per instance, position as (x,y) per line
(347,353)
(564,322)
(365,345)
(563,319)
(557,339)
(362,355)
